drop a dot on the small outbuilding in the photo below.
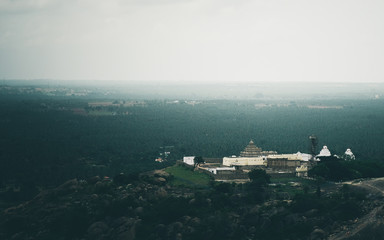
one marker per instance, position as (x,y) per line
(190,160)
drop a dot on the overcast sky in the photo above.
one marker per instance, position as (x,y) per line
(192,40)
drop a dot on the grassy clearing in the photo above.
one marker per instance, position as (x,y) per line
(183,176)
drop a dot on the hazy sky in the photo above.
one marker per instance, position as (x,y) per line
(192,40)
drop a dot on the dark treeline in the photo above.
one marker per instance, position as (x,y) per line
(335,169)
(44,141)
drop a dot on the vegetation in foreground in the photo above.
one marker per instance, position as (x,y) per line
(152,206)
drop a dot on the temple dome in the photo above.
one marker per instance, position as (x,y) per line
(348,152)
(348,155)
(251,150)
(324,152)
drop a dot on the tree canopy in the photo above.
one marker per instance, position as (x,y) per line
(259,177)
(198,160)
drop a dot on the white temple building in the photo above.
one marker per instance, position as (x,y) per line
(250,156)
(348,155)
(324,152)
(255,156)
(304,156)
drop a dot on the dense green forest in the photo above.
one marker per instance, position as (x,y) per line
(46,140)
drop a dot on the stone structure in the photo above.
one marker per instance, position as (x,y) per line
(251,150)
(302,171)
(283,163)
(250,156)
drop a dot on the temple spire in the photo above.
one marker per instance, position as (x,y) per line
(251,150)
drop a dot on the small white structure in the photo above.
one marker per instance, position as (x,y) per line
(304,156)
(324,152)
(214,170)
(190,160)
(349,152)
(348,155)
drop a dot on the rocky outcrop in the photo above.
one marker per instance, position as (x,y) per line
(371,226)
(153,209)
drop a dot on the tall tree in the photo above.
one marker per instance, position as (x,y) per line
(198,161)
(259,177)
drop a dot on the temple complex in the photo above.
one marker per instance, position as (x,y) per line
(250,156)
(255,156)
(278,165)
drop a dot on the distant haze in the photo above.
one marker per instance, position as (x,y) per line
(208,41)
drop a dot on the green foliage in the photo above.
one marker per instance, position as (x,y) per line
(259,180)
(14,224)
(123,179)
(259,177)
(162,212)
(340,170)
(221,211)
(305,202)
(198,160)
(337,207)
(223,187)
(183,176)
(346,210)
(72,224)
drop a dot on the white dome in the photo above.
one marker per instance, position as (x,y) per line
(348,155)
(348,152)
(324,152)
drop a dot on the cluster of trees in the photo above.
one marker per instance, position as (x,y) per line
(143,208)
(335,169)
(226,211)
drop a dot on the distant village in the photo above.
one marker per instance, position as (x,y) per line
(236,168)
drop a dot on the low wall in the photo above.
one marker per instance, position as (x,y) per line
(213,160)
(230,175)
(282,175)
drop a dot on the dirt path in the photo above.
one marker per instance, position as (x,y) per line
(374,185)
(356,230)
